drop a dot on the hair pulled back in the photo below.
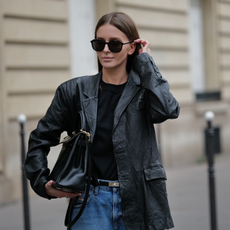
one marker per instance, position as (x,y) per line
(125,24)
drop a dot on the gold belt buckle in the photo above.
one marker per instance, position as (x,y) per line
(114,184)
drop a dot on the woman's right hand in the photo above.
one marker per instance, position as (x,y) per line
(145,46)
(51,191)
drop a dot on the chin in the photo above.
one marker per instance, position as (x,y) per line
(108,66)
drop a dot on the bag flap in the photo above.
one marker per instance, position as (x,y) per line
(155,172)
(68,139)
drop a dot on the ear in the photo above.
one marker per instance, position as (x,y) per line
(132,48)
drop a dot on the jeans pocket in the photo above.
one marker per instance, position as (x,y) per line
(81,198)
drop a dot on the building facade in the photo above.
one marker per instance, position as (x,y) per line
(46,42)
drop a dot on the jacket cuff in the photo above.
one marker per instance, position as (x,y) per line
(144,63)
(141,59)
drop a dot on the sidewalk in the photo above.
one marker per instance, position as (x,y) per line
(188,198)
(188,192)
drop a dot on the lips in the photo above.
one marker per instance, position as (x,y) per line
(107,58)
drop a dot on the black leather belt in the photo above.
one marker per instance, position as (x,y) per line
(110,184)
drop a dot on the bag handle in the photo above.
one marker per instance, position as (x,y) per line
(68,222)
(82,121)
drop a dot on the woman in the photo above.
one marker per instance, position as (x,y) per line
(121,103)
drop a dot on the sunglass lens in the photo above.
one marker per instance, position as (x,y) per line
(98,45)
(115,46)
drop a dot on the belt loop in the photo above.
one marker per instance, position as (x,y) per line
(96,190)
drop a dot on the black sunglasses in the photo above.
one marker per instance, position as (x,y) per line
(114,46)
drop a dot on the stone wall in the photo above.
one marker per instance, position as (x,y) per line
(34,60)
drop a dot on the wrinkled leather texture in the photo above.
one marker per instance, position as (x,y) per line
(145,100)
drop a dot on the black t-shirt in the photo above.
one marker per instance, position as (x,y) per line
(104,162)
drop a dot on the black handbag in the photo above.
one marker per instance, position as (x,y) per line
(72,170)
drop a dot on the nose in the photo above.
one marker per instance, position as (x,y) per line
(106,48)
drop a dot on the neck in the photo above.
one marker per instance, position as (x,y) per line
(115,77)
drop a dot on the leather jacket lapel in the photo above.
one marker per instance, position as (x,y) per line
(90,104)
(131,88)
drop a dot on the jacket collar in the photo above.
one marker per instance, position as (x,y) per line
(91,89)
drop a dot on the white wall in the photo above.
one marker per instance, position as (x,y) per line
(82,23)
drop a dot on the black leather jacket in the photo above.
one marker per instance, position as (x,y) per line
(145,100)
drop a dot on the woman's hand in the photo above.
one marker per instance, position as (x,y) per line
(51,191)
(144,44)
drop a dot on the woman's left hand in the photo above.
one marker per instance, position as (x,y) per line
(145,46)
(51,191)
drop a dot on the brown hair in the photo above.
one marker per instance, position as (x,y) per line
(125,24)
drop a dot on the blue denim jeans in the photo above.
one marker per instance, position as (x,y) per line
(102,211)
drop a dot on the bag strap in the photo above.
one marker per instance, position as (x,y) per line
(68,222)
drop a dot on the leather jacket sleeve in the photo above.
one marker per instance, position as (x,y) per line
(46,134)
(160,102)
